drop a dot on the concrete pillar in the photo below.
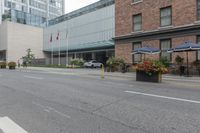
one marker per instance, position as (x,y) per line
(93,56)
(28,6)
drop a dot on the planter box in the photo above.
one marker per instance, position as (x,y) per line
(143,76)
(11,67)
(3,67)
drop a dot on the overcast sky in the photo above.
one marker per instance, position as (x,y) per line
(71,5)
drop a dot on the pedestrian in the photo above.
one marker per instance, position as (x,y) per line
(18,63)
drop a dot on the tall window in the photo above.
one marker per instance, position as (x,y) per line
(165,16)
(137,22)
(164,46)
(137,57)
(198,9)
(198,53)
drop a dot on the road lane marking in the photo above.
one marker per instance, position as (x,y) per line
(32,77)
(164,97)
(9,126)
(49,109)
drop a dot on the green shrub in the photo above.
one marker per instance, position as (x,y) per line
(77,62)
(3,64)
(165,61)
(114,64)
(179,60)
(12,64)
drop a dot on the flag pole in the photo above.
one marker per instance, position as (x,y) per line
(51,53)
(59,51)
(67,51)
(51,41)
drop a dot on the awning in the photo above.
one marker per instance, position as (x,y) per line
(82,47)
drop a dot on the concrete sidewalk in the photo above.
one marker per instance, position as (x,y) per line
(98,72)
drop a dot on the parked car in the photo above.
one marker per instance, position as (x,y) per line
(93,64)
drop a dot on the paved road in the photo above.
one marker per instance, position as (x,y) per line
(71,103)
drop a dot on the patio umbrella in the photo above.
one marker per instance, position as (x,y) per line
(186,47)
(146,50)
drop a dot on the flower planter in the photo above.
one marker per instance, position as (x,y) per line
(3,67)
(143,76)
(11,67)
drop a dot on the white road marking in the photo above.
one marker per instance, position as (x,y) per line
(31,77)
(49,109)
(9,126)
(164,97)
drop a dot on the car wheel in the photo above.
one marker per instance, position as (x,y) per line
(92,66)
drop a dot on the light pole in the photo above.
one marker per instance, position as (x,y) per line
(67,49)
(1,11)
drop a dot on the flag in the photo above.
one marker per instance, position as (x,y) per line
(51,38)
(66,33)
(57,38)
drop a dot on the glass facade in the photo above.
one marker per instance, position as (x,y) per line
(26,18)
(48,9)
(90,8)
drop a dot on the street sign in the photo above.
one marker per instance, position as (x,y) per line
(9,126)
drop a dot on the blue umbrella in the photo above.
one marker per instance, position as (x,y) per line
(186,47)
(146,50)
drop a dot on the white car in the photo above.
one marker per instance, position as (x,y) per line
(93,64)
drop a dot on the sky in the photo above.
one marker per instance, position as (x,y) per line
(71,5)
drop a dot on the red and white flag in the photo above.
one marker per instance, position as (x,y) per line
(51,38)
(58,35)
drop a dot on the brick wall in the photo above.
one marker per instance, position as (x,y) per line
(123,51)
(183,13)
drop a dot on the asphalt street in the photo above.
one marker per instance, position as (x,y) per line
(72,102)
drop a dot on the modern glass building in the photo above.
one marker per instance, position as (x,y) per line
(25,18)
(85,33)
(47,9)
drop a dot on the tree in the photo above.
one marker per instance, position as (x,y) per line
(29,57)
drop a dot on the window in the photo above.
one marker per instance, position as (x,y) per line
(164,46)
(198,52)
(198,9)
(136,1)
(137,22)
(137,57)
(165,16)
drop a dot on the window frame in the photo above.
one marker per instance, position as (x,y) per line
(135,2)
(170,16)
(170,40)
(133,56)
(197,8)
(133,22)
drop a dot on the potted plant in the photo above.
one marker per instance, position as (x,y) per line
(179,61)
(114,64)
(11,65)
(111,63)
(150,71)
(197,65)
(77,62)
(3,65)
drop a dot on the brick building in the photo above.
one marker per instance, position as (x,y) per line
(157,23)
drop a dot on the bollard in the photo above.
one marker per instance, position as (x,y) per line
(102,75)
